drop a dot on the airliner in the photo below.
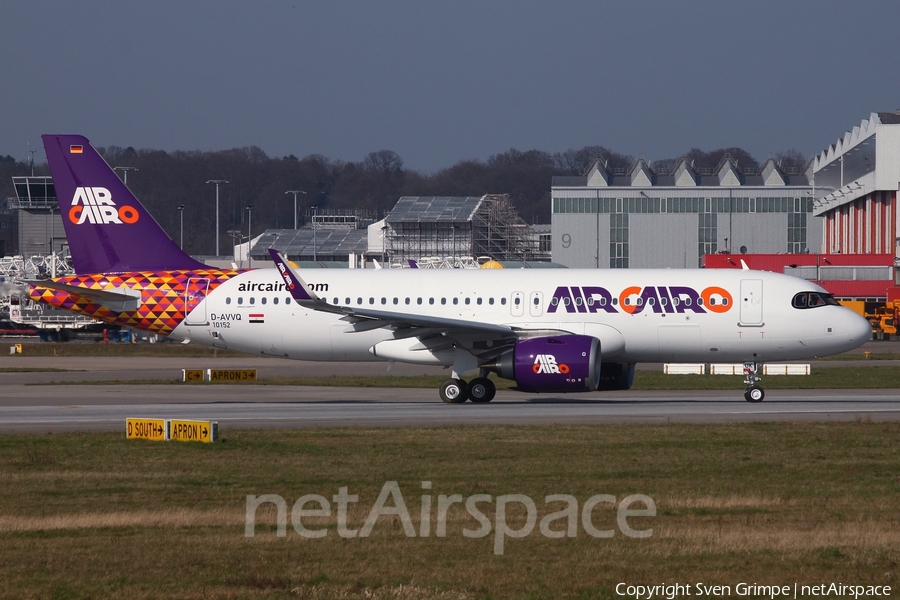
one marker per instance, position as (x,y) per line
(548,330)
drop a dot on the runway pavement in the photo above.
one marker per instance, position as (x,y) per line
(27,403)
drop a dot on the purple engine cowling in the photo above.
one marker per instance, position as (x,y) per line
(565,363)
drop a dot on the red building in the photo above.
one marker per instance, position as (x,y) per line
(867,277)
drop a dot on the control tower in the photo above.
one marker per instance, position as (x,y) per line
(39,222)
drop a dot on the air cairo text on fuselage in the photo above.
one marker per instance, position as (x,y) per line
(590,299)
(635,299)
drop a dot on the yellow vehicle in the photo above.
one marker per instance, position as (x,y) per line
(886,318)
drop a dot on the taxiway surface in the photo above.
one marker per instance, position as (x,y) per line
(34,401)
(30,402)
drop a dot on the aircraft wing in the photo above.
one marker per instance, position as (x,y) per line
(116,299)
(470,334)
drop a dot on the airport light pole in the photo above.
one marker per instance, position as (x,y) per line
(217,182)
(249,209)
(181,226)
(295,192)
(315,231)
(125,172)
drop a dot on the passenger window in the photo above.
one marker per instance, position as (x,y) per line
(503,301)
(359,300)
(578,301)
(252,300)
(443,301)
(264,300)
(240,300)
(491,300)
(519,301)
(384,300)
(275,300)
(418,301)
(371,300)
(467,300)
(431,301)
(456,301)
(346,300)
(228,300)
(396,301)
(478,301)
(407,300)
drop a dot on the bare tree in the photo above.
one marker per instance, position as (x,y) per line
(791,161)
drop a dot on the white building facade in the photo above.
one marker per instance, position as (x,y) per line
(671,219)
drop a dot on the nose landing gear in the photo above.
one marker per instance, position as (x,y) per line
(753,393)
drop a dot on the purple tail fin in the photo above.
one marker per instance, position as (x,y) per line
(108,230)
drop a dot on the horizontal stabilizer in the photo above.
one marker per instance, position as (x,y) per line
(115,299)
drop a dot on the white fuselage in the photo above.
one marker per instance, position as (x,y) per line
(684,315)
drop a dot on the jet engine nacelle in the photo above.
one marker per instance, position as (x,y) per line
(564,363)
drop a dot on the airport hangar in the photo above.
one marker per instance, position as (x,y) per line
(672,219)
(836,223)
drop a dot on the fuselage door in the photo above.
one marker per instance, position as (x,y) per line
(194,296)
(517,304)
(536,304)
(751,301)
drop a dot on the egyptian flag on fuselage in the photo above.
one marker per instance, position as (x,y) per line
(257,317)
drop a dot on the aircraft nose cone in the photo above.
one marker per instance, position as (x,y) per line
(859,329)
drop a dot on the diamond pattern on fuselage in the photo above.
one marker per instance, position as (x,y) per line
(166,297)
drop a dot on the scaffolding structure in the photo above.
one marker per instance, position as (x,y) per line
(499,231)
(458,231)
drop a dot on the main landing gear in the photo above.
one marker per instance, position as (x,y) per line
(753,393)
(457,391)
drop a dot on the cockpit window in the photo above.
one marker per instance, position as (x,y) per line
(813,300)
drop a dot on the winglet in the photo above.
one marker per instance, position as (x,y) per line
(412,264)
(296,286)
(744,265)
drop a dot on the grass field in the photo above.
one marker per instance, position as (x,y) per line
(93,515)
(162,349)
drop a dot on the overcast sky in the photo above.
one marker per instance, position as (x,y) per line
(440,82)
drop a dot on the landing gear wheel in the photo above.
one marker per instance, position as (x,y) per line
(754,394)
(481,390)
(454,391)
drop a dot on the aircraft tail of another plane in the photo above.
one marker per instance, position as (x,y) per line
(108,229)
